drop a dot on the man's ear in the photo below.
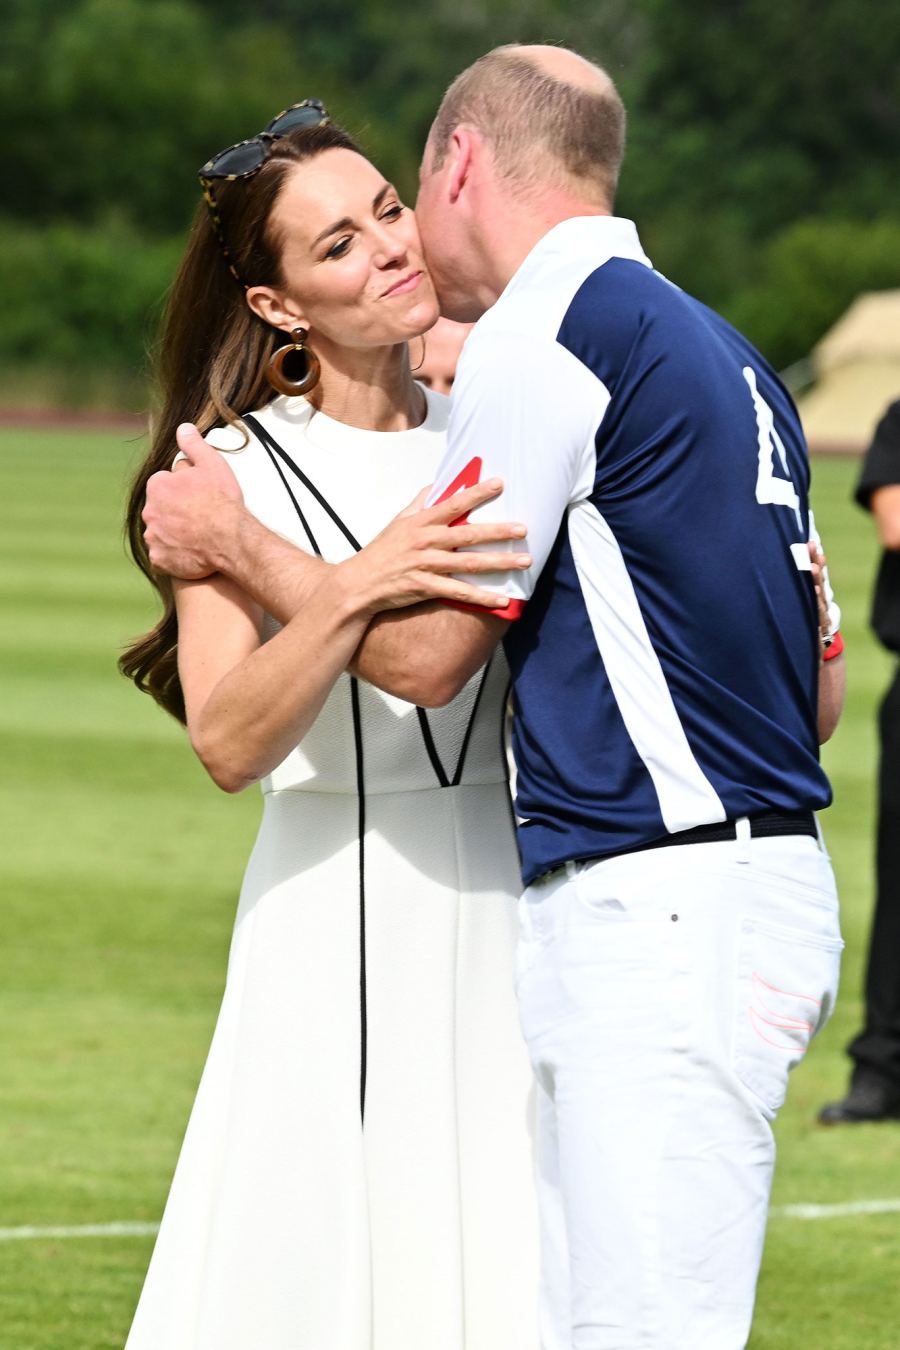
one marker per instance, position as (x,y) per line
(275,308)
(460,153)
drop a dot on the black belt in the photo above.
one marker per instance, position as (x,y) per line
(763,825)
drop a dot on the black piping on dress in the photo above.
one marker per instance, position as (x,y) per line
(273,450)
(276,453)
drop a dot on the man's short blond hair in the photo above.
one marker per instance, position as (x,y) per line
(540,129)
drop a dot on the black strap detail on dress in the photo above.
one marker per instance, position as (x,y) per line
(287,487)
(270,445)
(361,799)
(276,452)
(457,777)
(430,746)
(436,763)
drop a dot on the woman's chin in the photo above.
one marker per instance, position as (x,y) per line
(423,316)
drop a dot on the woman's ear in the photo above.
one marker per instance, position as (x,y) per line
(275,308)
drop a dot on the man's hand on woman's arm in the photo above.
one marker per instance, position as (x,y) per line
(196,524)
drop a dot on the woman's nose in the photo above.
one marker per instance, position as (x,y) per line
(390,248)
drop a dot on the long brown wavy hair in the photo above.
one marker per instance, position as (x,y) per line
(209,363)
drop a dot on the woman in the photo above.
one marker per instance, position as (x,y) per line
(357,1168)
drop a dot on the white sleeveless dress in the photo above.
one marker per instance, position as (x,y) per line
(357,1171)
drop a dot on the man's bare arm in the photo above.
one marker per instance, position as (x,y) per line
(192,533)
(196,524)
(832,689)
(426,654)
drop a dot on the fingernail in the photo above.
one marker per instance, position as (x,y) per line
(523,559)
(494,483)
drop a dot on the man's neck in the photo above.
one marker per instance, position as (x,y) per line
(522,227)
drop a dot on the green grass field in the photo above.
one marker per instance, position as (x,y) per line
(120,872)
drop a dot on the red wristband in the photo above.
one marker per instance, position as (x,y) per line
(512,611)
(835,648)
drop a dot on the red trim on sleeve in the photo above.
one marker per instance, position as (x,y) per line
(466,478)
(837,646)
(514,609)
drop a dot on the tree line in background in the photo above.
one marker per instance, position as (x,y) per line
(762,164)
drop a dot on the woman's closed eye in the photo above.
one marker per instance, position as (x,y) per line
(339,247)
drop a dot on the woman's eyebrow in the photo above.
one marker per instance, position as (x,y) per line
(345,222)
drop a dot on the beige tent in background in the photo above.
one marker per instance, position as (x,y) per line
(856,367)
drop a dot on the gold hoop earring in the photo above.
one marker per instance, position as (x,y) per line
(413,369)
(274,371)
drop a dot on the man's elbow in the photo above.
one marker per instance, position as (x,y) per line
(832,692)
(437,693)
(425,679)
(431,662)
(828,724)
(428,688)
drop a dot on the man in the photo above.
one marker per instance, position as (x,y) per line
(679,927)
(443,344)
(875,1087)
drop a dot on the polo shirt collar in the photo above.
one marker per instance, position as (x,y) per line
(612,236)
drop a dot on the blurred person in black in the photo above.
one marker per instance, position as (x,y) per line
(874,1092)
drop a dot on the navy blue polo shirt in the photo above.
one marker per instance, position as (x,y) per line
(664,644)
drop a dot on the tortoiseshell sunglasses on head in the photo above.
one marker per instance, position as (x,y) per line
(246,158)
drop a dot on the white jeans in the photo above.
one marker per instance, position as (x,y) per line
(665,996)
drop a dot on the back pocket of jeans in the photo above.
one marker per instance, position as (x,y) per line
(787,984)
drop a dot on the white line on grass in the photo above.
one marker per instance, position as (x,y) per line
(835,1211)
(81,1231)
(87,1230)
